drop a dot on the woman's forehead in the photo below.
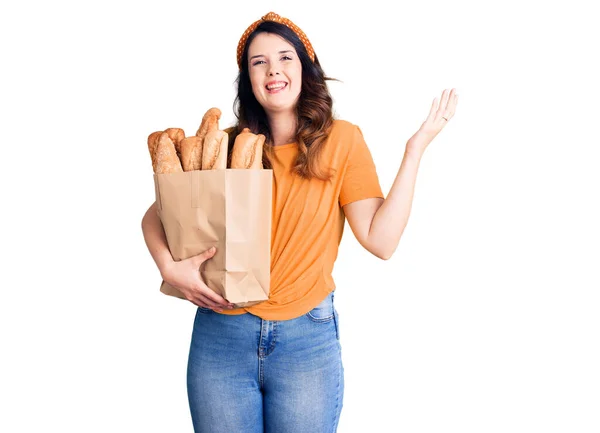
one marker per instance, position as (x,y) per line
(265,43)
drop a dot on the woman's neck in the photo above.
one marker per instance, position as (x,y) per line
(283,128)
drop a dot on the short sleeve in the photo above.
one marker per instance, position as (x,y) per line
(360,179)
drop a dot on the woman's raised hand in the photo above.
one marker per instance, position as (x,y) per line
(442,110)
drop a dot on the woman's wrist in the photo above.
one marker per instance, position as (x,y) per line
(164,266)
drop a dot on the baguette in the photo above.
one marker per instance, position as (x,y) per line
(152,144)
(166,156)
(176,135)
(247,150)
(191,153)
(214,152)
(210,122)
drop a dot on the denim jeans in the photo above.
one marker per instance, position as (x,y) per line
(249,375)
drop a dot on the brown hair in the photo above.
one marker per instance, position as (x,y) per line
(314,108)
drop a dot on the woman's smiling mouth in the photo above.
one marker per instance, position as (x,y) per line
(276,86)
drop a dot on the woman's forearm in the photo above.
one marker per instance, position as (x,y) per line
(391,218)
(156,241)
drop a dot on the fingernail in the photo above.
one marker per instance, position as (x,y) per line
(212,249)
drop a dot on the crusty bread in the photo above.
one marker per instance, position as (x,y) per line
(247,150)
(258,153)
(210,122)
(166,156)
(214,152)
(176,135)
(152,144)
(191,153)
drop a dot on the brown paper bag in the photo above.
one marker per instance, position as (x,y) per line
(230,209)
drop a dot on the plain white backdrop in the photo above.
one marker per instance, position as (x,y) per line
(486,318)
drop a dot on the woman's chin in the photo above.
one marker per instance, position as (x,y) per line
(280,108)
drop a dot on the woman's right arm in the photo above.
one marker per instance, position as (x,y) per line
(155,238)
(184,275)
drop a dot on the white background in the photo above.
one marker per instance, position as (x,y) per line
(485,320)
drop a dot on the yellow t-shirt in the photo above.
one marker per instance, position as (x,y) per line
(308,222)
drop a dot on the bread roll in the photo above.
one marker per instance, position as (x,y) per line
(166,156)
(191,153)
(247,150)
(214,153)
(210,122)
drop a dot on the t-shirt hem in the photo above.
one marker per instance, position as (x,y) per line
(300,308)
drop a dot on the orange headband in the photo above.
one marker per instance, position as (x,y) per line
(272,16)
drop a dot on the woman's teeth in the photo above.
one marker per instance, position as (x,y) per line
(273,87)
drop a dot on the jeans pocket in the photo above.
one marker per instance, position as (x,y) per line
(324,312)
(336,318)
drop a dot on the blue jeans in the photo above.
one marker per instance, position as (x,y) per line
(248,375)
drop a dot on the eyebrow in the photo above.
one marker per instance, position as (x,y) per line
(280,52)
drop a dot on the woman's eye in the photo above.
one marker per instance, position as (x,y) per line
(258,62)
(286,58)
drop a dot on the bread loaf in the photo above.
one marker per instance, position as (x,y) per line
(214,152)
(210,122)
(191,153)
(247,150)
(166,156)
(152,145)
(180,153)
(176,135)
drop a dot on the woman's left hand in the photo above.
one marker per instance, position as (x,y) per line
(439,115)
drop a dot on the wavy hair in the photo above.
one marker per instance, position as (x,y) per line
(313,109)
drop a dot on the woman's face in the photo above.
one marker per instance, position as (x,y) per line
(275,73)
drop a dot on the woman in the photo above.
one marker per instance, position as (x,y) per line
(276,366)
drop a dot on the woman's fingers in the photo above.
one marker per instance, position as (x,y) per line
(197,260)
(447,104)
(443,107)
(215,299)
(201,300)
(433,109)
(205,302)
(212,299)
(453,102)
(441,112)
(444,101)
